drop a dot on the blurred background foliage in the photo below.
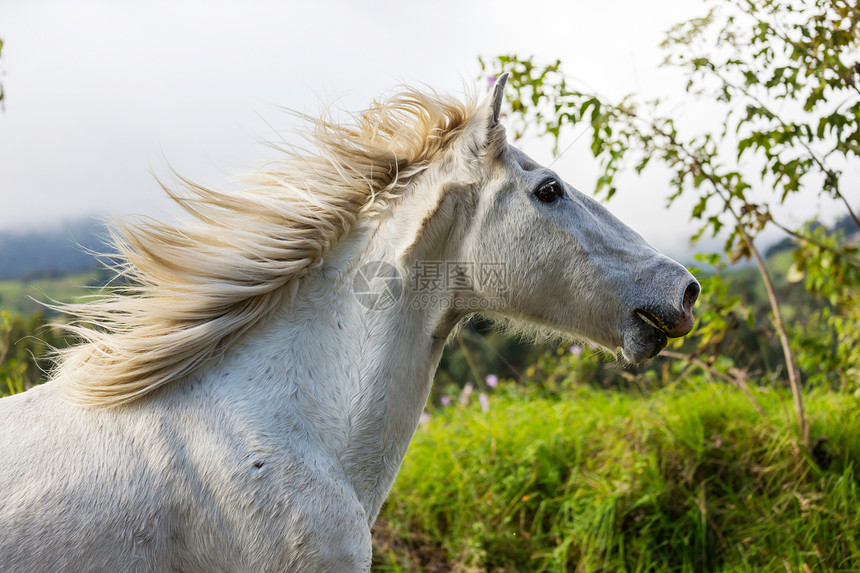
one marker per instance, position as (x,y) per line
(787,78)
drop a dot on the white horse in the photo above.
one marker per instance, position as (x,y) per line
(245,405)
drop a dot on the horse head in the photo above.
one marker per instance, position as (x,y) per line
(537,254)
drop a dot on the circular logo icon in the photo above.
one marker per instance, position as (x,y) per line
(377,285)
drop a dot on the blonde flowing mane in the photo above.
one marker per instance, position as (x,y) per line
(194,289)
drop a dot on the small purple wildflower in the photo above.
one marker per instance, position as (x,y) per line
(492,380)
(467,390)
(576,350)
(424,418)
(485,402)
(446,400)
(491,81)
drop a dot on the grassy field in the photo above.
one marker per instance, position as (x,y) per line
(16,297)
(688,478)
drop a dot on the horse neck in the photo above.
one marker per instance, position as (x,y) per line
(355,380)
(397,368)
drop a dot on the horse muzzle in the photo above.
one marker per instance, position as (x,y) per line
(664,312)
(672,320)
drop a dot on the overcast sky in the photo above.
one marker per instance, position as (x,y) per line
(101,94)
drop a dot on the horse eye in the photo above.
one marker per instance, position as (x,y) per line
(549,191)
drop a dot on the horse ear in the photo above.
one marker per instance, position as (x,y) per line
(498,96)
(484,129)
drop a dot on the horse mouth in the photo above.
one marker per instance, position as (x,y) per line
(650,320)
(644,336)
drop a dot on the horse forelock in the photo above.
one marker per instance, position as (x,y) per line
(188,291)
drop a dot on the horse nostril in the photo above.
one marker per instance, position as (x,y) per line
(690,296)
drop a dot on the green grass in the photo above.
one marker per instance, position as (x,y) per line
(686,479)
(16,297)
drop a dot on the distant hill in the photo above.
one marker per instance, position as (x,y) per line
(51,253)
(65,250)
(844,224)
